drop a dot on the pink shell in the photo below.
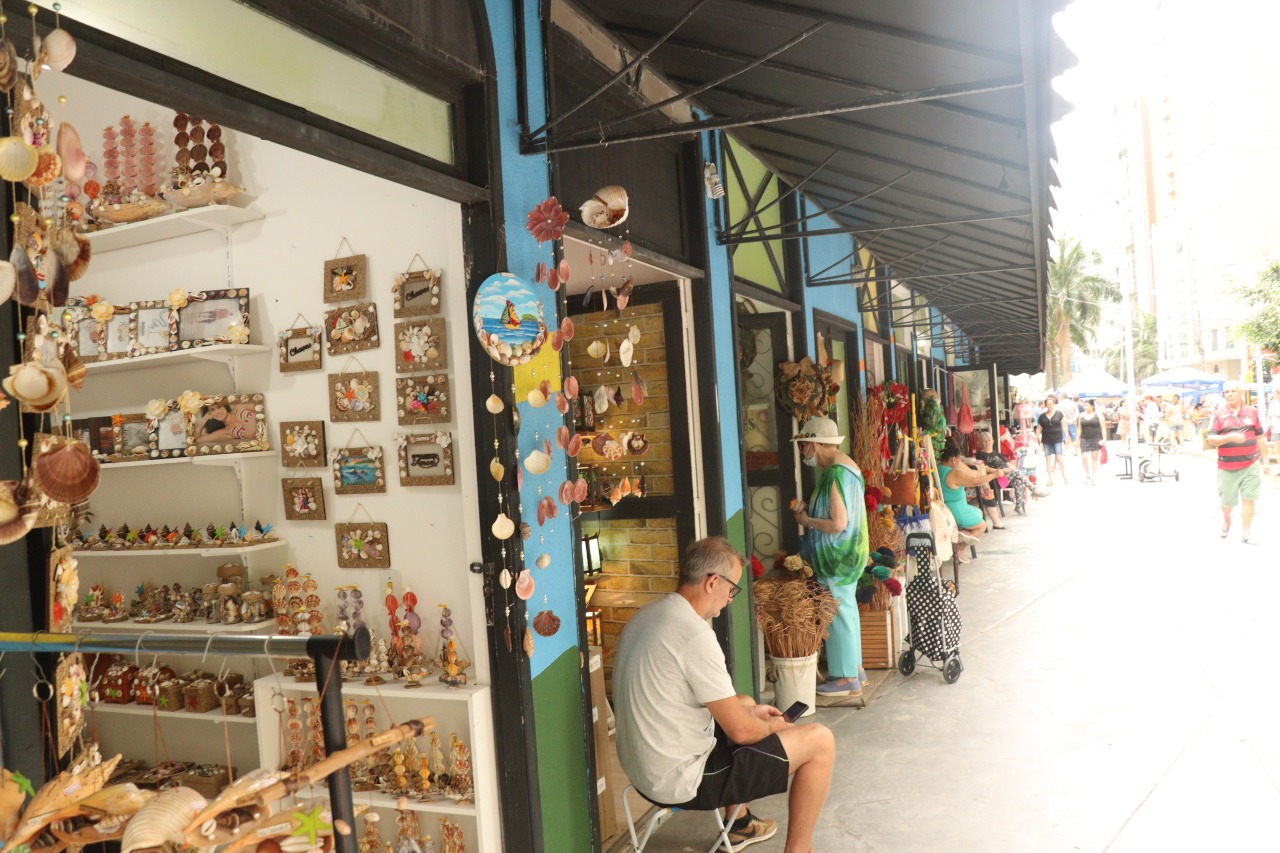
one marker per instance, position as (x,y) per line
(90,169)
(566,329)
(553,279)
(524,585)
(541,274)
(564,270)
(571,387)
(626,248)
(562,403)
(542,513)
(557,340)
(519,477)
(566,492)
(580,489)
(562,437)
(72,153)
(574,447)
(546,444)
(545,387)
(549,506)
(637,391)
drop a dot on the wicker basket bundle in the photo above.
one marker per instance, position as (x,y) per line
(794,616)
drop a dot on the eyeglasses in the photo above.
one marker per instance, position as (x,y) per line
(734,589)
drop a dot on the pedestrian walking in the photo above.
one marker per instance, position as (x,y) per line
(1091,437)
(1050,429)
(1237,433)
(1175,418)
(1273,422)
(1071,414)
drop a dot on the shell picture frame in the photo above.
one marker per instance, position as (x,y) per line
(132,438)
(344,279)
(228,423)
(83,332)
(153,328)
(351,328)
(421,345)
(299,349)
(303,498)
(416,293)
(302,444)
(358,471)
(117,335)
(354,397)
(426,459)
(363,545)
(213,317)
(169,433)
(423,399)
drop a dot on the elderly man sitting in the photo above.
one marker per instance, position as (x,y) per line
(685,737)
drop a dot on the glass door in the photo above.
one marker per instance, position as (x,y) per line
(767,432)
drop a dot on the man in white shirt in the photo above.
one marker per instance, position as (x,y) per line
(1071,415)
(686,738)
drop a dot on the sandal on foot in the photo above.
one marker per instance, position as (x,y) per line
(1226,529)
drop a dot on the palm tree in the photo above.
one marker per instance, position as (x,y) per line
(1145,350)
(1076,299)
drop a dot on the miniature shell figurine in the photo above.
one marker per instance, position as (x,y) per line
(200,176)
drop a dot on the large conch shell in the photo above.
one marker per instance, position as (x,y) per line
(18,511)
(108,812)
(59,792)
(39,387)
(163,820)
(18,158)
(70,150)
(607,208)
(66,471)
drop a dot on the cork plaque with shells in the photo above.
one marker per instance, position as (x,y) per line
(200,176)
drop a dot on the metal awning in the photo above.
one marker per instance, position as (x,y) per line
(934,117)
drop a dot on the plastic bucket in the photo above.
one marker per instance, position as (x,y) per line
(797,682)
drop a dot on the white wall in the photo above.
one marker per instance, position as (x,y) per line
(309,205)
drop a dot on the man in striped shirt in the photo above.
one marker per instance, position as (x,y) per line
(1237,433)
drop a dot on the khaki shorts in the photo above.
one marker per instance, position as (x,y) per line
(1241,484)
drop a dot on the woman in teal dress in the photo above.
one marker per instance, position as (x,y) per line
(836,546)
(955,476)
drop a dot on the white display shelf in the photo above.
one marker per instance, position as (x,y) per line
(227,459)
(80,554)
(429,691)
(378,800)
(214,716)
(212,218)
(266,627)
(224,353)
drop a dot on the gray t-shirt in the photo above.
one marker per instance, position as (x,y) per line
(669,666)
(1069,410)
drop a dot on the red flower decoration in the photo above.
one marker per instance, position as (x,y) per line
(547,221)
(757,567)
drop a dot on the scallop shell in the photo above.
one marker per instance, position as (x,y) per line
(596,349)
(503,527)
(557,340)
(566,329)
(637,391)
(543,561)
(74,249)
(59,49)
(580,489)
(34,385)
(563,270)
(600,440)
(601,400)
(562,437)
(496,469)
(625,350)
(574,447)
(8,65)
(562,403)
(525,585)
(71,151)
(47,170)
(19,509)
(18,158)
(546,623)
(565,493)
(8,281)
(571,387)
(163,820)
(494,404)
(615,494)
(549,507)
(537,462)
(637,444)
(607,208)
(66,471)
(537,399)
(553,279)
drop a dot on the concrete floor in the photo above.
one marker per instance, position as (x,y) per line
(1119,691)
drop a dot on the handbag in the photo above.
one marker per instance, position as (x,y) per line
(901,484)
(964,421)
(1102,455)
(941,522)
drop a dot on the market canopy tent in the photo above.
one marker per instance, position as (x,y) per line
(1096,383)
(1185,377)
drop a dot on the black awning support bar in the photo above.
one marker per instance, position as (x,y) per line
(817,281)
(858,247)
(791,226)
(621,73)
(752,212)
(809,74)
(597,140)
(703,87)
(895,226)
(858,280)
(753,201)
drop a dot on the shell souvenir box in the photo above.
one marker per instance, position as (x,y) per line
(146,682)
(206,779)
(118,682)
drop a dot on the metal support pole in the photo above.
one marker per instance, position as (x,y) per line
(329,681)
(1131,404)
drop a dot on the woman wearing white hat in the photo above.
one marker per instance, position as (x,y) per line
(836,544)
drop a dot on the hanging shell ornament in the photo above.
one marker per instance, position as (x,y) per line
(504,578)
(580,489)
(567,329)
(74,250)
(18,511)
(633,334)
(562,437)
(525,585)
(563,270)
(18,159)
(565,494)
(58,49)
(497,470)
(57,279)
(637,444)
(494,404)
(71,152)
(571,387)
(528,642)
(537,462)
(553,279)
(8,65)
(8,281)
(557,340)
(537,399)
(624,488)
(637,391)
(39,387)
(547,220)
(623,296)
(625,351)
(601,400)
(607,208)
(540,272)
(66,471)
(562,403)
(615,494)
(597,349)
(503,527)
(543,560)
(161,823)
(27,290)
(574,447)
(546,623)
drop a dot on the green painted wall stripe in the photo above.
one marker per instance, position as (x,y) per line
(744,675)
(558,696)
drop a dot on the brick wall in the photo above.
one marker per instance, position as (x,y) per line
(641,561)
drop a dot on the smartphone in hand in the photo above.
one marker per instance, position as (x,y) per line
(793,713)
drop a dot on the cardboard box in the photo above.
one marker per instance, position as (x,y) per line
(608,809)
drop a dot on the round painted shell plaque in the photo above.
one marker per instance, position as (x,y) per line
(509,319)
